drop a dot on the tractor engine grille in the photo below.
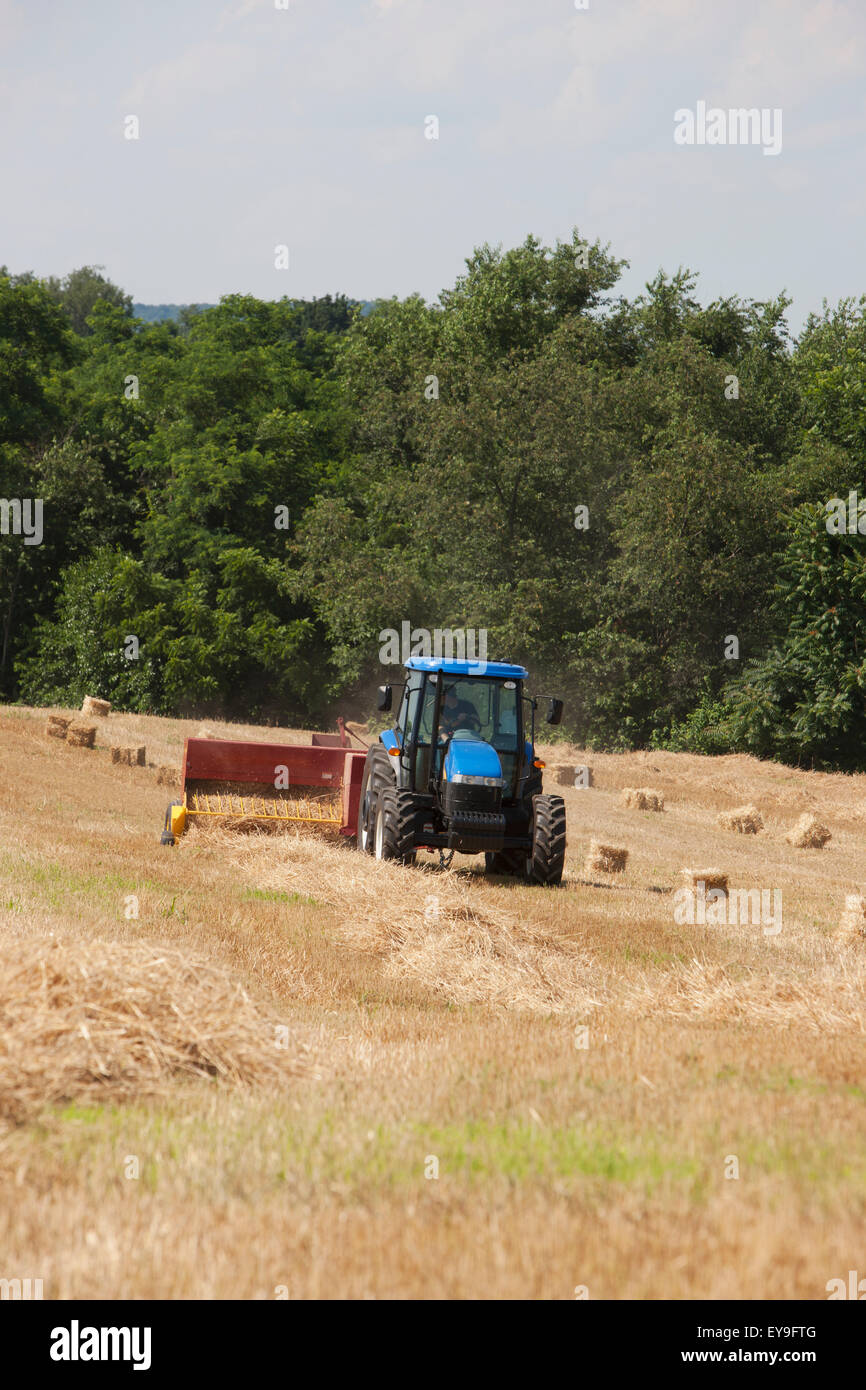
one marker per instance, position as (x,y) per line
(469,799)
(485,821)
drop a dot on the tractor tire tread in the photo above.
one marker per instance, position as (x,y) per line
(378,776)
(548,840)
(380,769)
(401,816)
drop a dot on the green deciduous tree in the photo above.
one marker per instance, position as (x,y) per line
(806,698)
(81,290)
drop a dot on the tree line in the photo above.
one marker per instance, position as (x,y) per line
(629,495)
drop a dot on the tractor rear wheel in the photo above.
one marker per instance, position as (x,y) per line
(545,863)
(394,836)
(378,774)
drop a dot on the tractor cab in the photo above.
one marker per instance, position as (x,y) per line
(457,769)
(450,723)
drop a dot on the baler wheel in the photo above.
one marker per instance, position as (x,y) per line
(168,836)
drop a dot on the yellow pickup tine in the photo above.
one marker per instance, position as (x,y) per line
(296,809)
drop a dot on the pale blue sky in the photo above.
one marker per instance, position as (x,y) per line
(306,127)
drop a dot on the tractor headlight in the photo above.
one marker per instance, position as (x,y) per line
(468,778)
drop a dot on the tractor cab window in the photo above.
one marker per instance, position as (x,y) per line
(428,709)
(409,705)
(423,711)
(487,708)
(506,720)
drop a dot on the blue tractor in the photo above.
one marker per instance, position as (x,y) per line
(458,772)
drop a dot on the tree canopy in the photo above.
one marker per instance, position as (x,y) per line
(628,495)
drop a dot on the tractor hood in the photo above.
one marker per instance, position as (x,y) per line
(471,761)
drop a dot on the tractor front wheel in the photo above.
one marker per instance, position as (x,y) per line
(546,861)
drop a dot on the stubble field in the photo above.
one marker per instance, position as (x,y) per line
(298,1072)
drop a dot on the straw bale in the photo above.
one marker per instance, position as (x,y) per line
(745,820)
(808,833)
(643,799)
(605,859)
(81,735)
(98,709)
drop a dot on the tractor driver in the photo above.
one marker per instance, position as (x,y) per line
(456,713)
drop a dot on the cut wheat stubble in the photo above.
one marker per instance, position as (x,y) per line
(432,927)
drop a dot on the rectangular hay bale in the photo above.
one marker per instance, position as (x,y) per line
(95,707)
(57,726)
(573,775)
(745,820)
(81,735)
(130,757)
(642,799)
(710,878)
(605,859)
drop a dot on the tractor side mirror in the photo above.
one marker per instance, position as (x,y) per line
(554,712)
(383,700)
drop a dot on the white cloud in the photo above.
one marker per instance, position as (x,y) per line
(209,68)
(785,53)
(238,13)
(256,120)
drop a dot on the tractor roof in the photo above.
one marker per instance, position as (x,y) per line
(494,669)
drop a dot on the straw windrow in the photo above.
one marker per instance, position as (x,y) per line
(98,1020)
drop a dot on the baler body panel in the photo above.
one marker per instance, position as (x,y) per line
(272,782)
